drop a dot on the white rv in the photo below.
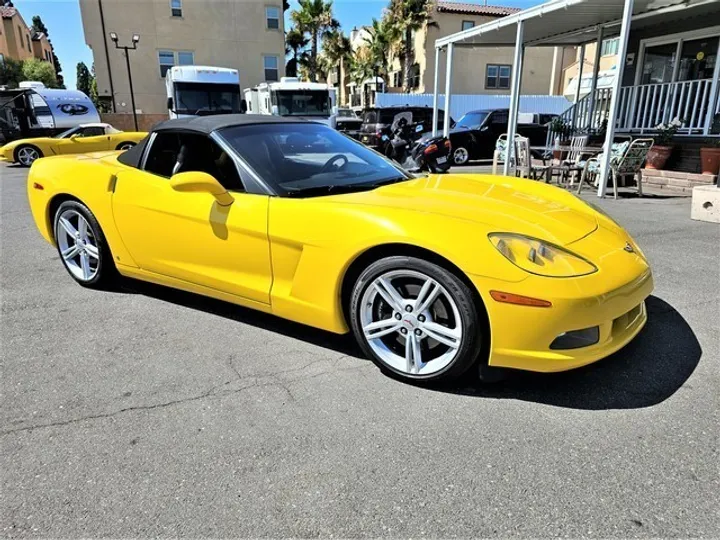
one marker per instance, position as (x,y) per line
(292,97)
(202,90)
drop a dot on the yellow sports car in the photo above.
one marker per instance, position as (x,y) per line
(432,275)
(78,140)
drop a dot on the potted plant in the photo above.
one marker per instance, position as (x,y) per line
(662,149)
(560,131)
(710,156)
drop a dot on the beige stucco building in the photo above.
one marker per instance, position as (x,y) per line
(247,35)
(478,71)
(20,42)
(567,65)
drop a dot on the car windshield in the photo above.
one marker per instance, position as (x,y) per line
(471,120)
(346,113)
(65,134)
(309,159)
(302,102)
(206,98)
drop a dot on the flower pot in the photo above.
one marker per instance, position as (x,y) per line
(658,156)
(710,160)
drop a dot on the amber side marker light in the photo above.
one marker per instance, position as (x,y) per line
(509,298)
(38,186)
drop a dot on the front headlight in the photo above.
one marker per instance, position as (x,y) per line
(540,257)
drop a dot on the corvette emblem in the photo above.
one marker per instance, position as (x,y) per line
(628,247)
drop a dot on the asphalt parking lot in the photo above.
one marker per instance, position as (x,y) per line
(149,412)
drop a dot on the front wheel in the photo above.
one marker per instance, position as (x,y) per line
(82,246)
(26,154)
(436,169)
(415,319)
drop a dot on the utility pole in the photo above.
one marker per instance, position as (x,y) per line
(127,49)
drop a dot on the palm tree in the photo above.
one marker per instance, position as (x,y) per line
(295,43)
(409,16)
(315,18)
(336,51)
(381,36)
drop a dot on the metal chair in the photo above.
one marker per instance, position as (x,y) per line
(500,153)
(626,159)
(573,164)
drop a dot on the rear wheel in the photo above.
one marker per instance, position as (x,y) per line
(415,319)
(125,146)
(26,154)
(460,155)
(82,246)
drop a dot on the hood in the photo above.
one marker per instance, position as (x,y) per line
(502,204)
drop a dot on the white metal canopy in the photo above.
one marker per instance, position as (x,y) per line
(562,23)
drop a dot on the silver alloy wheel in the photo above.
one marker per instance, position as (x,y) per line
(78,246)
(26,155)
(126,146)
(460,156)
(411,322)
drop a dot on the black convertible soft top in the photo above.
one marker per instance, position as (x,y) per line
(205,125)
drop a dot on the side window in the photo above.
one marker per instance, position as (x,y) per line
(163,154)
(93,131)
(499,118)
(195,152)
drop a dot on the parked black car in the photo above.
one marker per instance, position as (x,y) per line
(377,122)
(347,122)
(475,134)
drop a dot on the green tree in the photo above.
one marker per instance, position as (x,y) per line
(380,40)
(84,79)
(295,43)
(38,26)
(11,72)
(314,17)
(408,16)
(336,52)
(37,70)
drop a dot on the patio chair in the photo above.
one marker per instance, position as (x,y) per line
(500,153)
(524,161)
(626,159)
(573,164)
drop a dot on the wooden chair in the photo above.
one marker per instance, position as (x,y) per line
(524,166)
(573,164)
(626,159)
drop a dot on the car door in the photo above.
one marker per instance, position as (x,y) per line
(88,139)
(188,235)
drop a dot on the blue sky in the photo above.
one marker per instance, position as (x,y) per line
(62,18)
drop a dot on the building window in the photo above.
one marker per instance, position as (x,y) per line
(270,64)
(497,76)
(2,59)
(415,76)
(176,8)
(467,25)
(27,36)
(185,58)
(610,47)
(272,17)
(167,60)
(397,79)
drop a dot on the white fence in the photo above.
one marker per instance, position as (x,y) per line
(462,103)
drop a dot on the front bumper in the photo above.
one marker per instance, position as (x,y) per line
(613,300)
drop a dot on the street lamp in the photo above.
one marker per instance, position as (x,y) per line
(127,48)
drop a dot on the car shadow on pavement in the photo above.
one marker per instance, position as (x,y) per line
(650,369)
(343,344)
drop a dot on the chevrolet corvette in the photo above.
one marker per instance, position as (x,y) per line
(78,140)
(432,275)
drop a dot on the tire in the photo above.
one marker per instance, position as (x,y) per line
(26,154)
(438,169)
(89,262)
(450,315)
(127,145)
(460,155)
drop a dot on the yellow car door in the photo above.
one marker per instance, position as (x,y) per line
(189,235)
(88,139)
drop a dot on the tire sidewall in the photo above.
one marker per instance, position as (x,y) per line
(17,153)
(105,264)
(462,296)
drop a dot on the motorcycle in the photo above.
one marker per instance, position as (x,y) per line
(413,151)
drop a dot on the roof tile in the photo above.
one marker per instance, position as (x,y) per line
(475,9)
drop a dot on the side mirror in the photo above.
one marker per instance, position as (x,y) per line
(419,128)
(243,106)
(484,128)
(200,182)
(170,104)
(274,110)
